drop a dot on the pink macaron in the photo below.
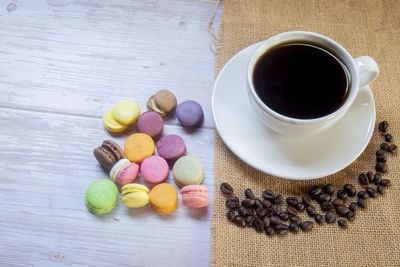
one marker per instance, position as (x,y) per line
(128,174)
(171,147)
(150,123)
(154,169)
(195,196)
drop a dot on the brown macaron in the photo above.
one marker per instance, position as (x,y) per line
(108,154)
(162,102)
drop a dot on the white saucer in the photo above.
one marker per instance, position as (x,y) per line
(293,158)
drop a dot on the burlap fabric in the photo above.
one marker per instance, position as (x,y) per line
(371,28)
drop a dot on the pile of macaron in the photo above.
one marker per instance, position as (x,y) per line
(138,158)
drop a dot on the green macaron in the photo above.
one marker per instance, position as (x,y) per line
(187,170)
(101,196)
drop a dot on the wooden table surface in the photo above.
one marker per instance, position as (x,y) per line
(62,65)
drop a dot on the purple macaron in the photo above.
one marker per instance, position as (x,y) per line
(171,147)
(190,113)
(150,123)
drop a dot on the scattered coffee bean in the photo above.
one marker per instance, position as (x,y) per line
(248,202)
(337,202)
(258,225)
(353,206)
(315,191)
(377,178)
(350,189)
(291,201)
(342,223)
(327,205)
(370,176)
(248,193)
(268,195)
(385,146)
(281,229)
(274,219)
(329,189)
(386,183)
(362,195)
(383,126)
(323,197)
(306,226)
(342,194)
(294,227)
(300,206)
(380,189)
(232,202)
(380,153)
(318,218)
(258,203)
(393,148)
(266,203)
(251,211)
(230,215)
(266,221)
(295,219)
(249,220)
(276,209)
(330,217)
(278,199)
(381,159)
(306,200)
(284,216)
(239,221)
(269,230)
(381,167)
(363,179)
(226,189)
(350,216)
(242,211)
(342,210)
(291,210)
(269,212)
(361,203)
(261,212)
(388,138)
(371,192)
(311,211)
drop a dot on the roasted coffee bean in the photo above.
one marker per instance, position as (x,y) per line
(266,203)
(248,202)
(353,206)
(269,212)
(386,183)
(258,225)
(363,179)
(370,176)
(291,201)
(294,228)
(281,228)
(342,223)
(362,195)
(350,216)
(226,189)
(318,218)
(230,215)
(276,209)
(266,221)
(258,203)
(380,189)
(388,138)
(249,220)
(291,210)
(306,226)
(295,219)
(361,203)
(269,230)
(239,221)
(381,167)
(342,194)
(377,178)
(306,200)
(385,146)
(379,159)
(326,206)
(274,219)
(242,211)
(284,216)
(350,189)
(232,202)
(250,211)
(278,199)
(329,189)
(342,210)
(300,206)
(261,212)
(371,192)
(380,153)
(311,211)
(330,217)
(248,193)
(323,197)
(268,195)
(337,202)
(383,126)
(393,148)
(315,191)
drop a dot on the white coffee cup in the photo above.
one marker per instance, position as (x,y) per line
(362,71)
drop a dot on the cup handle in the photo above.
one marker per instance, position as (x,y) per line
(368,69)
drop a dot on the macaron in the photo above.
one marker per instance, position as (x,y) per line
(164,198)
(118,167)
(154,169)
(162,102)
(134,195)
(171,147)
(190,113)
(138,147)
(108,154)
(128,174)
(111,124)
(150,123)
(195,196)
(126,111)
(101,196)
(187,170)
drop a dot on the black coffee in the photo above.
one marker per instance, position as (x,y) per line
(301,80)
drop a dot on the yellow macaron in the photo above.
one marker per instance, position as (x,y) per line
(111,124)
(134,195)
(164,198)
(126,111)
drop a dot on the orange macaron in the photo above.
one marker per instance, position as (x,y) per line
(138,147)
(164,198)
